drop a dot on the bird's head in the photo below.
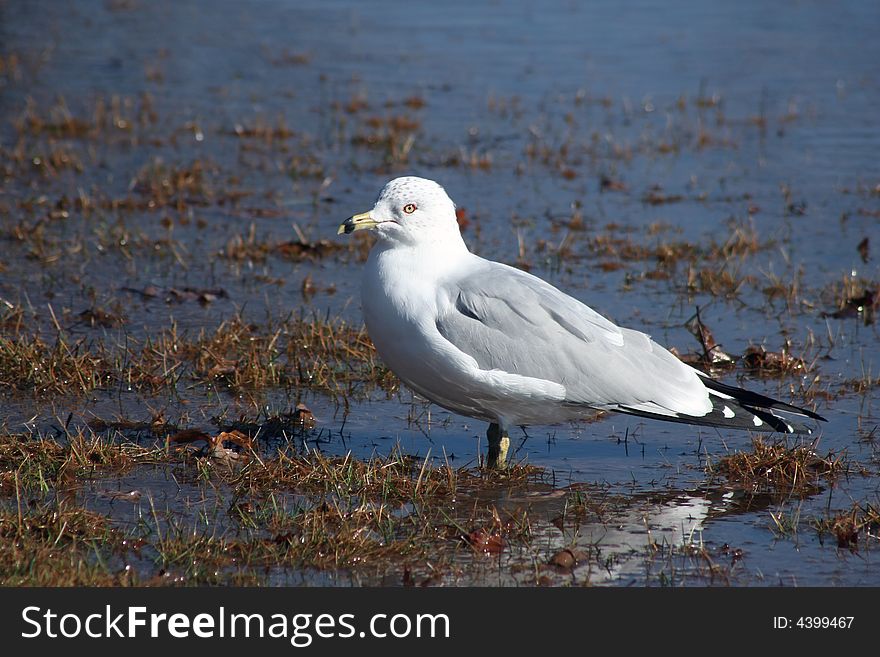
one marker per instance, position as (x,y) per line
(409,210)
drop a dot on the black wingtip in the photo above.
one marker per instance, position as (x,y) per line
(756,400)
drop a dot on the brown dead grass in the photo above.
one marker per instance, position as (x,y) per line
(853,528)
(779,468)
(329,355)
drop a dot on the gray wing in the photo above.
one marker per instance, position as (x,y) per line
(509,320)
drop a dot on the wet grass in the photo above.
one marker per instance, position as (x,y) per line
(852,529)
(49,545)
(52,366)
(263,513)
(852,296)
(670,564)
(780,468)
(300,352)
(282,514)
(42,464)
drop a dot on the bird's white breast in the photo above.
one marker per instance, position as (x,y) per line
(401,304)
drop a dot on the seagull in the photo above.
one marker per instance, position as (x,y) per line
(491,342)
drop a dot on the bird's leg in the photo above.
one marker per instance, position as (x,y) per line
(499,443)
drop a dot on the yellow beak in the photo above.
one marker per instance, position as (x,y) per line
(357,222)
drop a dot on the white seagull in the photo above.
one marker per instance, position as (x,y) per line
(488,341)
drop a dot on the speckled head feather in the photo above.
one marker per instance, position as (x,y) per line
(415,210)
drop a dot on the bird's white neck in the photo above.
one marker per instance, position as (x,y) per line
(414,265)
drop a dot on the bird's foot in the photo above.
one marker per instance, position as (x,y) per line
(499,444)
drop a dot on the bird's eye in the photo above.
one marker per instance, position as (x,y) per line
(409,208)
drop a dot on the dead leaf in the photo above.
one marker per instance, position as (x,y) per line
(217,449)
(180,295)
(482,540)
(304,417)
(759,360)
(125,496)
(414,102)
(607,184)
(855,306)
(222,369)
(567,559)
(864,249)
(655,196)
(234,436)
(202,295)
(148,292)
(299,249)
(215,445)
(712,352)
(690,358)
(100,317)
(224,454)
(189,436)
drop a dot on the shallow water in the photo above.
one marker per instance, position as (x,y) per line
(764,116)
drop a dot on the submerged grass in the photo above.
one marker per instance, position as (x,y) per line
(55,545)
(856,527)
(39,465)
(267,514)
(279,515)
(262,516)
(778,468)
